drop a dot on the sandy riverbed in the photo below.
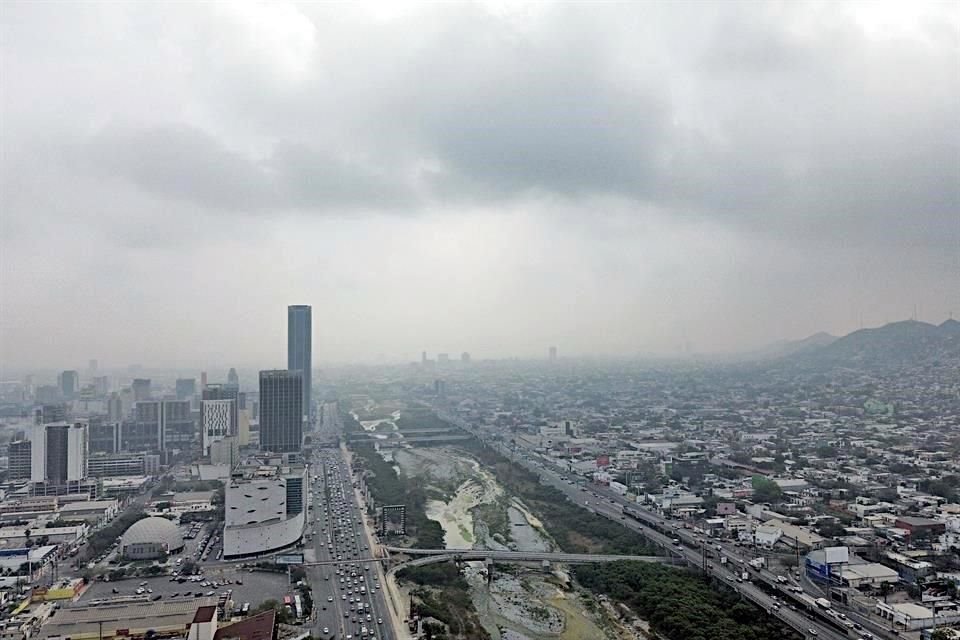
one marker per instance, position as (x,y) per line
(525,605)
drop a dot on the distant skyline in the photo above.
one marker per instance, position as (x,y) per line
(489,177)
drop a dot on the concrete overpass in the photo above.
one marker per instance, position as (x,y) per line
(430,556)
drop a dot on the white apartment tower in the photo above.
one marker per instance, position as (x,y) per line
(216,417)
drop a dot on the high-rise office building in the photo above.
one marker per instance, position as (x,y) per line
(47,393)
(233,378)
(101,386)
(104,436)
(281,410)
(553,353)
(179,427)
(50,413)
(69,384)
(464,357)
(58,452)
(300,349)
(443,357)
(215,416)
(224,392)
(29,386)
(159,425)
(18,457)
(141,389)
(115,407)
(144,431)
(186,388)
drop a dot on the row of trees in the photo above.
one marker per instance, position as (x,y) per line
(388,487)
(575,529)
(100,541)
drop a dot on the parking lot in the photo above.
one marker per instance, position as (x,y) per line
(256,587)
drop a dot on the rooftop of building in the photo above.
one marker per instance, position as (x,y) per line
(193,496)
(869,570)
(88,505)
(256,627)
(140,616)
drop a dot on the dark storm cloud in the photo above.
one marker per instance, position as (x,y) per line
(181,163)
(184,163)
(757,124)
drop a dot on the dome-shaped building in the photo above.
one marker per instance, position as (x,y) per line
(150,538)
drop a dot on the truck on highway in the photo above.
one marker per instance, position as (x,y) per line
(723,559)
(823,603)
(757,563)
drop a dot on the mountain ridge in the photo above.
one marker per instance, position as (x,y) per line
(905,343)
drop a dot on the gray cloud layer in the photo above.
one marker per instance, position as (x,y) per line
(817,143)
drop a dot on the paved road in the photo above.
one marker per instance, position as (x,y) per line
(811,624)
(338,545)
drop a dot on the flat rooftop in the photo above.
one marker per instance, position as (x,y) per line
(85,621)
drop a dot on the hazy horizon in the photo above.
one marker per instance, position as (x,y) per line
(493,177)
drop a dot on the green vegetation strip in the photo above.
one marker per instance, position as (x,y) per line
(678,604)
(447,599)
(576,530)
(388,487)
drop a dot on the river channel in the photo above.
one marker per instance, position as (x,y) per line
(518,603)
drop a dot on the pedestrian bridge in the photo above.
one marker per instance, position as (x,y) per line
(430,556)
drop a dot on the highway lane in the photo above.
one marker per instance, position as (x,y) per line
(344,563)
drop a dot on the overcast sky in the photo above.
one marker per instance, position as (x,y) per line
(491,177)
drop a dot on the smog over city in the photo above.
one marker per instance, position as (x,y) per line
(491,320)
(657,178)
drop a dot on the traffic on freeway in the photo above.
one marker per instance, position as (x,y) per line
(347,586)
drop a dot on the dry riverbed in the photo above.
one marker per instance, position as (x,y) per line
(519,603)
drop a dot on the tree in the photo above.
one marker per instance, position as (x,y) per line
(283,615)
(765,490)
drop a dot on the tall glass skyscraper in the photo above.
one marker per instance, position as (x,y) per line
(281,410)
(300,348)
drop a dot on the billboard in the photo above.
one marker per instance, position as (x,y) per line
(837,555)
(817,570)
(603,461)
(289,558)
